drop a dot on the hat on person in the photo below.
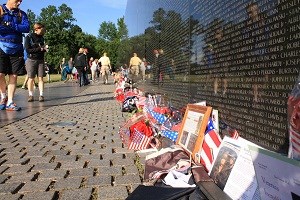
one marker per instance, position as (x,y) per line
(86,50)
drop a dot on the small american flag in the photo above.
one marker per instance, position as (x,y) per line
(139,141)
(159,118)
(235,135)
(172,135)
(141,102)
(294,151)
(210,146)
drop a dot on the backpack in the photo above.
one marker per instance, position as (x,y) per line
(31,43)
(3,11)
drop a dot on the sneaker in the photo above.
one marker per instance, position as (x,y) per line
(3,104)
(30,99)
(23,87)
(12,107)
(41,99)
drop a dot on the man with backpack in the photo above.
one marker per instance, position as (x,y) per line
(35,48)
(13,23)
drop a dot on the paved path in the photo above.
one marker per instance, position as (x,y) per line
(66,147)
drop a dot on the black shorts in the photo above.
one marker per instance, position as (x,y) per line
(11,64)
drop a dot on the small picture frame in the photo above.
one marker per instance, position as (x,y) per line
(194,123)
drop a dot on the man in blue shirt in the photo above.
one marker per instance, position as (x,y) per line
(13,23)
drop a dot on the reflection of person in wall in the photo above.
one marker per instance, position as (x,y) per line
(256,23)
(170,69)
(210,56)
(155,66)
(161,62)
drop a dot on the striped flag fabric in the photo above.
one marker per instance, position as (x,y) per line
(139,141)
(235,135)
(294,149)
(141,102)
(210,146)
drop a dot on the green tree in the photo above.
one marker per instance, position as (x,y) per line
(111,37)
(58,23)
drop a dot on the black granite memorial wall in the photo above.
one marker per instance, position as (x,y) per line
(241,56)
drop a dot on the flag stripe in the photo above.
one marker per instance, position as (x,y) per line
(139,141)
(210,144)
(295,140)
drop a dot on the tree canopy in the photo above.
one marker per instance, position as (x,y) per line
(64,37)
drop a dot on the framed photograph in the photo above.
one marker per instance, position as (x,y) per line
(194,124)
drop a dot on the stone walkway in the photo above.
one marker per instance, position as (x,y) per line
(69,151)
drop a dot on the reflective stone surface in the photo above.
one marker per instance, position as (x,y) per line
(239,56)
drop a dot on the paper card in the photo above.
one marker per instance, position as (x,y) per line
(278,177)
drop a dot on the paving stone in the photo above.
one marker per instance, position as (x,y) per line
(9,196)
(127,179)
(72,165)
(52,174)
(82,194)
(102,151)
(25,177)
(17,169)
(34,186)
(99,181)
(113,156)
(122,162)
(65,158)
(13,154)
(36,160)
(56,152)
(49,195)
(9,187)
(80,152)
(3,168)
(123,150)
(86,172)
(131,170)
(89,157)
(14,161)
(3,178)
(35,154)
(44,166)
(68,183)
(117,192)
(98,163)
(110,170)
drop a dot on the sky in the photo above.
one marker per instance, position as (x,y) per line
(89,14)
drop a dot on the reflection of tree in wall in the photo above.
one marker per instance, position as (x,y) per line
(170,32)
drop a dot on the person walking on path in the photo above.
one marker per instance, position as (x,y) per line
(69,70)
(94,70)
(14,22)
(105,67)
(80,63)
(35,47)
(134,64)
(143,66)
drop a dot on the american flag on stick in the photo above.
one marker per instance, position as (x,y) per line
(210,146)
(139,141)
(294,151)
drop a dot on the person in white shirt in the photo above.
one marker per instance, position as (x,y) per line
(94,69)
(105,67)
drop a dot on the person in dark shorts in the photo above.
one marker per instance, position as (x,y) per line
(35,47)
(13,23)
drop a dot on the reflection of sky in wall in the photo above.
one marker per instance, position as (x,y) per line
(139,13)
